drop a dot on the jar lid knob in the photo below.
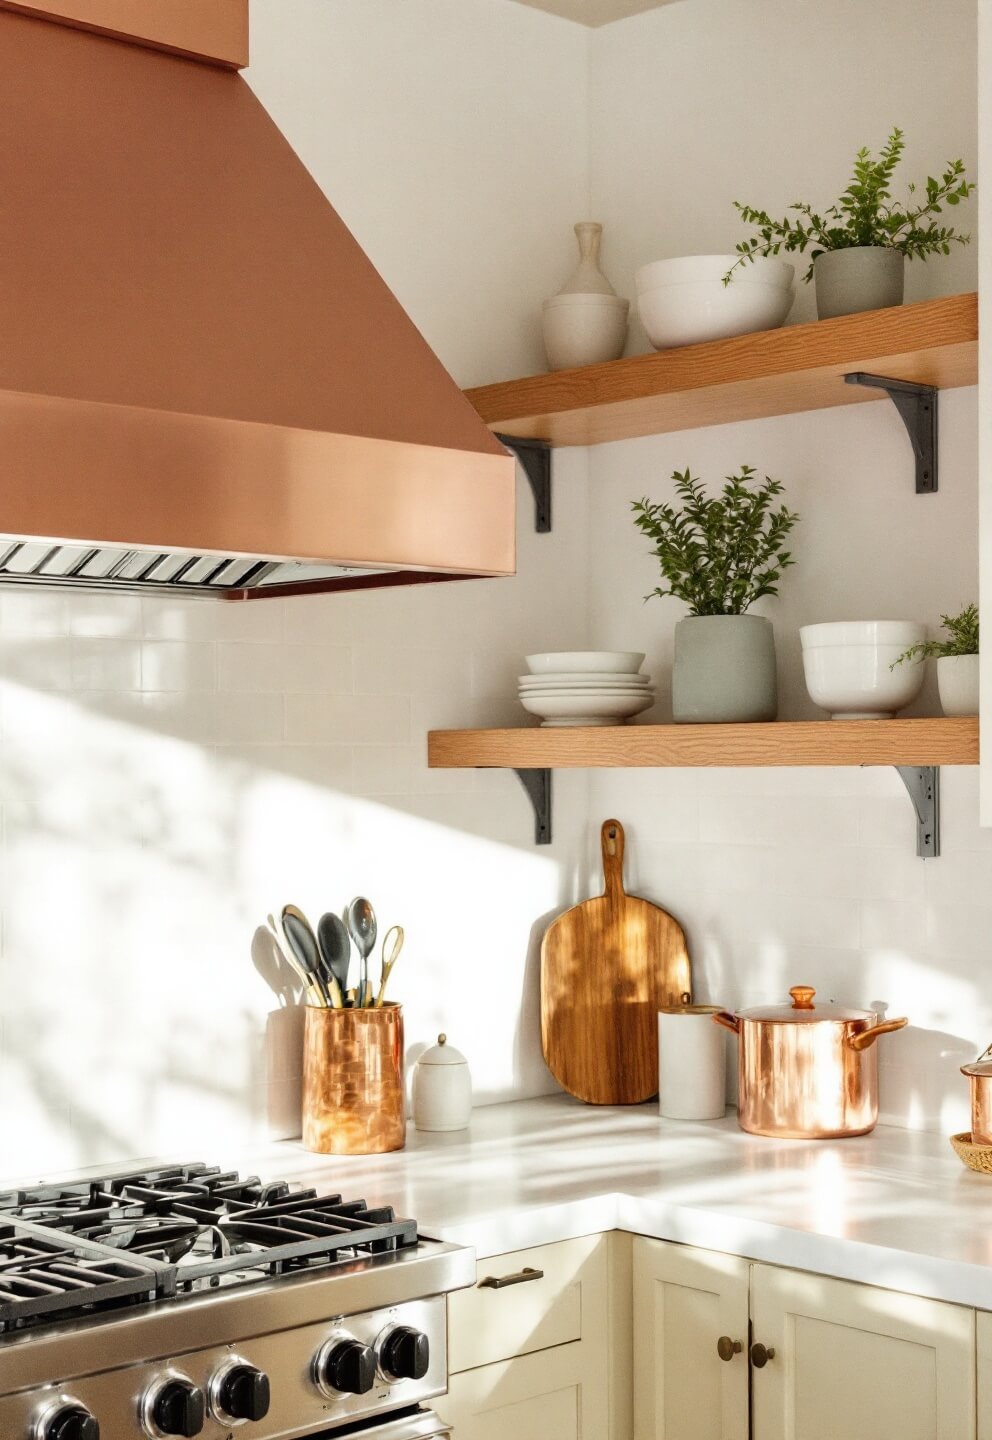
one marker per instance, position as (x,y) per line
(442,1039)
(802,997)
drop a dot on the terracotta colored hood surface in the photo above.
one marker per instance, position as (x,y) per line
(204,383)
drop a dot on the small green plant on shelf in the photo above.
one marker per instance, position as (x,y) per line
(719,554)
(865,214)
(962,639)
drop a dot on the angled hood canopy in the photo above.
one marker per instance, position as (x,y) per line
(204,383)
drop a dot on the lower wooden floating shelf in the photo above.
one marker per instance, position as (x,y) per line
(806,742)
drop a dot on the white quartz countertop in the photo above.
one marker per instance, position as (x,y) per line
(894,1208)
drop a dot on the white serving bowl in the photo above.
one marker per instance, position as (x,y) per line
(848,667)
(691,312)
(584,329)
(593,708)
(612,662)
(763,270)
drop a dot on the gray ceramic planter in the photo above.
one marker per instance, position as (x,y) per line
(866,277)
(724,670)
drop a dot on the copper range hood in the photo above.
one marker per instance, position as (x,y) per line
(205,386)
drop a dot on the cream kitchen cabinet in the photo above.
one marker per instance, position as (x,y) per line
(984,1375)
(825,1359)
(540,1348)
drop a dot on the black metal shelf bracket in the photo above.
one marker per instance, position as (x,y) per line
(535,458)
(917,405)
(537,783)
(923,784)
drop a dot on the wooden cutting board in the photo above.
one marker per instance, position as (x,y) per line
(607,967)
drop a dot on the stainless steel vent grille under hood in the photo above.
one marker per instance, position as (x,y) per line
(205,386)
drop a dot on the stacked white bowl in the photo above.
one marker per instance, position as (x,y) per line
(685,302)
(585,687)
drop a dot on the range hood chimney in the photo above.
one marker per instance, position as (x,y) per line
(205,385)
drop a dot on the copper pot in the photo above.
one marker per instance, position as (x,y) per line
(805,1071)
(980,1075)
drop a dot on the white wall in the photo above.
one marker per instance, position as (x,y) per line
(170,772)
(800,876)
(766,101)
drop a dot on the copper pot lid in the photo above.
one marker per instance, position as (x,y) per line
(803,1011)
(982,1067)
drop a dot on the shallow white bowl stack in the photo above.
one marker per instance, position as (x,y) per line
(585,687)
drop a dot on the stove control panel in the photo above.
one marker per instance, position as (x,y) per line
(289,1381)
(66,1419)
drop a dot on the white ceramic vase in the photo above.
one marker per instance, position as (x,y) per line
(692,1063)
(586,322)
(957,684)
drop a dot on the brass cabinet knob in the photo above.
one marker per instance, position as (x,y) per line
(727,1348)
(760,1356)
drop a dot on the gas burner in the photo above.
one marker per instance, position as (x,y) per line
(70,1249)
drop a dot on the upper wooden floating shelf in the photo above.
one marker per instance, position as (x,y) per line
(808,742)
(772,372)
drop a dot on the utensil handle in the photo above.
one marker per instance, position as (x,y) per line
(868,1037)
(612,841)
(728,1021)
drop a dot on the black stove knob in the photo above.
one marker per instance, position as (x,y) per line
(70,1421)
(179,1408)
(242,1393)
(346,1366)
(406,1354)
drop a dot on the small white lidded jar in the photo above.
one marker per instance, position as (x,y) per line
(442,1088)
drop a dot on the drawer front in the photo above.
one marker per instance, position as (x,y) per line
(535,1311)
(535,1397)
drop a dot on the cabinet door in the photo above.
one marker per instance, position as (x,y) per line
(684,1301)
(546,1395)
(853,1362)
(984,1375)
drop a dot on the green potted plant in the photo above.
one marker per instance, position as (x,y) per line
(719,554)
(861,243)
(957,661)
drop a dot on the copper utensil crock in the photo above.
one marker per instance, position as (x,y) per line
(980,1075)
(807,1071)
(354,1100)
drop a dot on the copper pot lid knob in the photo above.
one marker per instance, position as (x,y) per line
(802,997)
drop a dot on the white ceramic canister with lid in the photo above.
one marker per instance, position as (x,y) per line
(442,1088)
(692,1063)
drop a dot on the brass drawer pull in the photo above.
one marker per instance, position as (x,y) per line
(727,1348)
(760,1356)
(500,1282)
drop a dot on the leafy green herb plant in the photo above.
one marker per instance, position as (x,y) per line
(865,214)
(719,554)
(962,639)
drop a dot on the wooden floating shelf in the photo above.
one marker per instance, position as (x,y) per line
(771,372)
(808,742)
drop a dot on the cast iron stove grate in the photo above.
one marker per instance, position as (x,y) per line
(69,1249)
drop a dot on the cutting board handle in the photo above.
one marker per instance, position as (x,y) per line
(612,841)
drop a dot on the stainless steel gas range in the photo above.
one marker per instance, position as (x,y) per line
(189,1301)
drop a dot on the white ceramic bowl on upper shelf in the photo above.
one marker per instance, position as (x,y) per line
(851,669)
(684,301)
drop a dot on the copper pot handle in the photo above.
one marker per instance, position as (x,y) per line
(728,1021)
(869,1036)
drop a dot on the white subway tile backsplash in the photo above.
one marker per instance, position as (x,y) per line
(178,665)
(105,615)
(99,664)
(349,719)
(33,612)
(39,663)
